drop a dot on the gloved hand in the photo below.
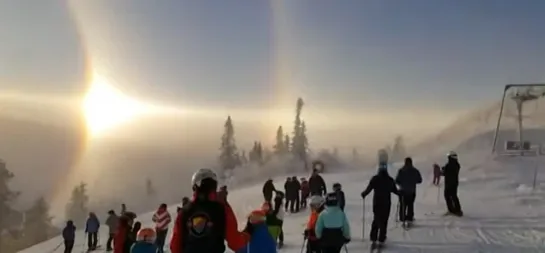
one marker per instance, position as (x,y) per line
(362,196)
(249,229)
(306,233)
(346,240)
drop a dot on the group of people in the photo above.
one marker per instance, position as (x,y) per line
(404,185)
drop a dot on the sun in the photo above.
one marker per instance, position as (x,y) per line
(105,107)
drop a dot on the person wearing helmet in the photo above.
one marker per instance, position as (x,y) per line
(261,241)
(205,223)
(316,204)
(451,171)
(383,186)
(332,228)
(407,178)
(145,241)
(69,236)
(316,184)
(337,189)
(305,192)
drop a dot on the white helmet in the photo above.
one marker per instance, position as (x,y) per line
(452,155)
(201,175)
(316,201)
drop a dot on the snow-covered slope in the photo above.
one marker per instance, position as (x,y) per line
(501,213)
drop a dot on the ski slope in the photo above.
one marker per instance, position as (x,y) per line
(501,214)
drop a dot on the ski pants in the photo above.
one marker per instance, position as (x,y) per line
(451,198)
(406,206)
(92,240)
(332,249)
(304,200)
(268,197)
(313,246)
(294,205)
(160,240)
(288,202)
(436,179)
(379,227)
(68,246)
(110,240)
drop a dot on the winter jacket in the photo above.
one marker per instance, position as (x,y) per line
(311,225)
(383,186)
(407,178)
(162,219)
(122,240)
(275,216)
(317,185)
(92,225)
(288,188)
(268,189)
(332,218)
(261,242)
(111,222)
(340,199)
(69,232)
(143,247)
(451,171)
(222,196)
(305,191)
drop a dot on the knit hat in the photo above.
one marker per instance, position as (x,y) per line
(331,199)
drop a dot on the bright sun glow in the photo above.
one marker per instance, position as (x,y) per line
(106,107)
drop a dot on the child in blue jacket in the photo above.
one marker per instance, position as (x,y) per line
(145,241)
(262,241)
(332,227)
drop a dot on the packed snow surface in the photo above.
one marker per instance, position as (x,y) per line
(502,212)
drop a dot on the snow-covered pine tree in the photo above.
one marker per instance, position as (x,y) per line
(37,226)
(259,153)
(7,197)
(299,145)
(279,147)
(398,150)
(287,143)
(228,150)
(77,209)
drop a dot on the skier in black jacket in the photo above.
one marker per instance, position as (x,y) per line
(337,189)
(450,171)
(268,189)
(407,178)
(383,186)
(296,192)
(288,189)
(316,184)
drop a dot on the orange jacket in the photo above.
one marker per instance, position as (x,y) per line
(312,224)
(235,240)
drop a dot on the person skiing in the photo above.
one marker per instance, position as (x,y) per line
(337,189)
(145,242)
(261,241)
(91,229)
(122,240)
(316,207)
(222,194)
(162,219)
(205,223)
(295,205)
(69,236)
(316,184)
(451,171)
(332,228)
(383,186)
(268,189)
(305,192)
(288,189)
(407,178)
(436,174)
(111,222)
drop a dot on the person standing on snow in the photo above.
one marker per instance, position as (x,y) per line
(288,189)
(407,178)
(261,241)
(162,219)
(268,189)
(451,171)
(205,223)
(145,242)
(305,192)
(91,229)
(332,228)
(316,207)
(69,236)
(111,222)
(383,186)
(316,184)
(436,174)
(296,204)
(337,189)
(123,240)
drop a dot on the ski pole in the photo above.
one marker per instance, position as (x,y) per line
(345,248)
(363,222)
(303,246)
(438,192)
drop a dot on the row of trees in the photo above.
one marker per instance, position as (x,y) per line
(397,151)
(297,145)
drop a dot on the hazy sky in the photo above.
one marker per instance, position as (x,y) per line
(377,54)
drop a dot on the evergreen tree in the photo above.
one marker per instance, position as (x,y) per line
(228,155)
(243,158)
(398,150)
(37,224)
(279,147)
(287,143)
(259,153)
(77,209)
(299,141)
(7,197)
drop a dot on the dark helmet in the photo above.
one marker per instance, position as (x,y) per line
(337,186)
(331,199)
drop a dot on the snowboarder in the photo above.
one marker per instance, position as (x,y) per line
(316,184)
(332,228)
(222,194)
(436,174)
(205,223)
(268,189)
(451,171)
(123,240)
(145,242)
(69,236)
(91,229)
(288,189)
(162,219)
(305,192)
(261,241)
(383,186)
(316,207)
(337,189)
(112,223)
(295,205)
(407,178)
